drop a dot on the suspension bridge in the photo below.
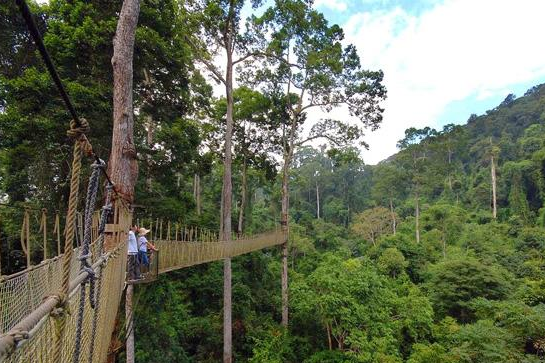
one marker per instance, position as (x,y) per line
(30,299)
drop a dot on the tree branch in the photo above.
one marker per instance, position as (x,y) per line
(334,103)
(310,138)
(212,68)
(249,55)
(268,55)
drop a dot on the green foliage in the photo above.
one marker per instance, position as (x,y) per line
(484,342)
(392,262)
(432,353)
(329,356)
(275,348)
(471,291)
(453,284)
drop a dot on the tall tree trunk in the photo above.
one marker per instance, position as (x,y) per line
(149,141)
(444,243)
(197,192)
(493,175)
(151,130)
(393,214)
(227,201)
(195,187)
(329,342)
(221,213)
(284,223)
(227,311)
(243,196)
(123,167)
(417,215)
(449,169)
(317,200)
(129,323)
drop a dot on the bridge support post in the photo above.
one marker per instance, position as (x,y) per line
(129,324)
(227,312)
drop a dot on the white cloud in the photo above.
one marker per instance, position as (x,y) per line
(338,5)
(455,50)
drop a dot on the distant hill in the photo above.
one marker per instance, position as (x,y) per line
(513,134)
(511,117)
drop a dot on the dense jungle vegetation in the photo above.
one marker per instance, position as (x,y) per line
(433,255)
(471,290)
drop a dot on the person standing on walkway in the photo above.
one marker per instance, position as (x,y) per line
(133,260)
(143,246)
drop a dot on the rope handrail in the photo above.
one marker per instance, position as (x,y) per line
(176,254)
(20,331)
(5,278)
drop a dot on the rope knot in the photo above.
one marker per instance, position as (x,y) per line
(61,305)
(100,164)
(109,187)
(76,131)
(90,272)
(19,335)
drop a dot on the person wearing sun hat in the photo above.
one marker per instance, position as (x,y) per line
(143,245)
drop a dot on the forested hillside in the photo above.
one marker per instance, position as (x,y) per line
(434,255)
(363,289)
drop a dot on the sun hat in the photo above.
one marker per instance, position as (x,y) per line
(142,231)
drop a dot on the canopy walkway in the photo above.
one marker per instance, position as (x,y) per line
(29,325)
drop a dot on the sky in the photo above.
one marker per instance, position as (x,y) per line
(443,60)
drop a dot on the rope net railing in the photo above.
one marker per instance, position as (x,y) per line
(28,306)
(35,237)
(24,291)
(39,347)
(175,255)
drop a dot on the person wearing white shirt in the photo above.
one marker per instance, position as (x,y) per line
(132,251)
